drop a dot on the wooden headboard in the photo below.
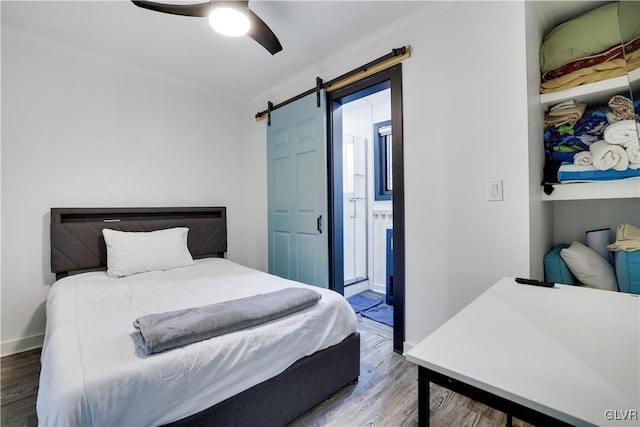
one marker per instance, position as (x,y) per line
(77,244)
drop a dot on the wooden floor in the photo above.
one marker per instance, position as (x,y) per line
(386,393)
(19,375)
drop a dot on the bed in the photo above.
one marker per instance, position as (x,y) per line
(95,370)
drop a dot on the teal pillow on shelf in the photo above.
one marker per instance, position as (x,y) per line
(555,269)
(628,271)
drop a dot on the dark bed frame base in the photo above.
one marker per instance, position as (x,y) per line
(285,397)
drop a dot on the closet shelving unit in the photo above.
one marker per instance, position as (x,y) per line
(597,93)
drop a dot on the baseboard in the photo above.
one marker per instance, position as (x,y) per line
(407,346)
(356,288)
(23,344)
(377,287)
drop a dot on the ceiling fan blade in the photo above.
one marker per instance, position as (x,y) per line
(261,33)
(200,9)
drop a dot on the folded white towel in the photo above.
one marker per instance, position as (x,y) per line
(583,158)
(624,132)
(633,152)
(609,156)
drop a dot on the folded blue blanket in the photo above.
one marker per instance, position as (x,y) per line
(569,172)
(561,143)
(164,331)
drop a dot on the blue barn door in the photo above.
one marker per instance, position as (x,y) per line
(297,191)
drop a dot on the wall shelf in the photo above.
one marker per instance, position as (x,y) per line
(594,190)
(592,93)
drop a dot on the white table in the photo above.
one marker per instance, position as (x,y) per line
(549,356)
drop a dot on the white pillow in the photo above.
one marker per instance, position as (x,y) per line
(589,267)
(137,252)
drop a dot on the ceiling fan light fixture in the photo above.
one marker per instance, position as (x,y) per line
(229,21)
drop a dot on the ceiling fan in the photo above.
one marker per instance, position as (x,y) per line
(220,14)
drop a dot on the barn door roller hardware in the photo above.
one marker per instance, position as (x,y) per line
(396,56)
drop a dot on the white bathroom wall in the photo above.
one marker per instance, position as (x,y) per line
(356,123)
(358,117)
(355,207)
(382,220)
(79,130)
(381,214)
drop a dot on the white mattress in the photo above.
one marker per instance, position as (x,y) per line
(94,371)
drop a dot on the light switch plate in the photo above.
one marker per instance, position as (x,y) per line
(494,190)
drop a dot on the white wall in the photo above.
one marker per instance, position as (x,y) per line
(541,222)
(572,218)
(465,122)
(80,130)
(85,131)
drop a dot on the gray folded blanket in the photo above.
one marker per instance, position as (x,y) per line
(164,331)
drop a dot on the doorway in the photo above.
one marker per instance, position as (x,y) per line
(366,193)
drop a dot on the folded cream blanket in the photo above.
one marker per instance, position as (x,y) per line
(624,132)
(565,114)
(583,158)
(627,238)
(609,156)
(569,103)
(595,73)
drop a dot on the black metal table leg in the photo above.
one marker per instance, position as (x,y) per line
(423,398)
(509,407)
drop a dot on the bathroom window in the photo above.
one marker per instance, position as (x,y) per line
(383,160)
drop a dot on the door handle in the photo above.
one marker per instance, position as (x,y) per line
(319,224)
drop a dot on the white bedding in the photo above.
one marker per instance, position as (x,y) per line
(94,371)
